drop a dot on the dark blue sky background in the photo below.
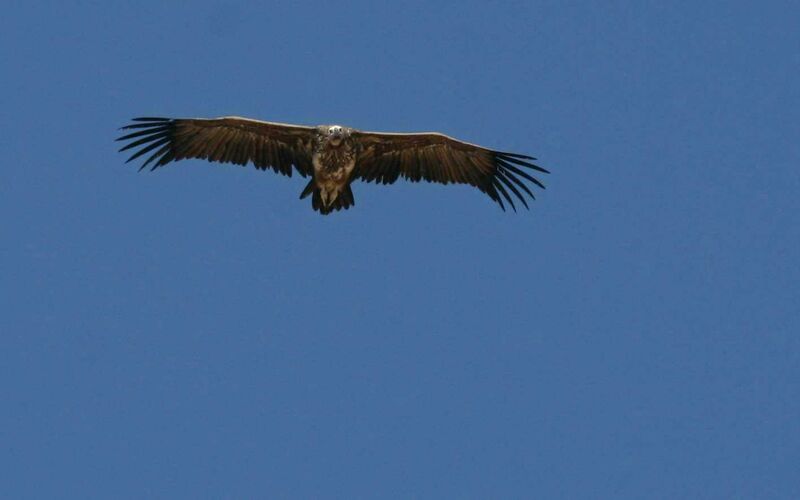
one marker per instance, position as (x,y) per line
(200,332)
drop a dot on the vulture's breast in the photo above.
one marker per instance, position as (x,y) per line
(334,163)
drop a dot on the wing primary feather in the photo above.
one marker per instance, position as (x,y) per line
(145,140)
(150,119)
(495,196)
(142,132)
(155,155)
(503,191)
(516,155)
(519,183)
(145,125)
(521,172)
(145,129)
(147,148)
(521,162)
(168,157)
(513,188)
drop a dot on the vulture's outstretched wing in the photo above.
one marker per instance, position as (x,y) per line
(435,157)
(228,139)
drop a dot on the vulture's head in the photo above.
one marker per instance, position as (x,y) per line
(336,133)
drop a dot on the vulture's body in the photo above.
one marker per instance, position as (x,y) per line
(333,156)
(333,159)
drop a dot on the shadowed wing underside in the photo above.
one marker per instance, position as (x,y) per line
(229,139)
(435,157)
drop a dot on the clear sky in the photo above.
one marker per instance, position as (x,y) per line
(200,332)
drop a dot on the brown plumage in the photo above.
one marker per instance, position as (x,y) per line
(333,156)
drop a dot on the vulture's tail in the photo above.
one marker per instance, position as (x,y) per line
(343,201)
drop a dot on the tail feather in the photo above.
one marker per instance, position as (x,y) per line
(308,189)
(344,201)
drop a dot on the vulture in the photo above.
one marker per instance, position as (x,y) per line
(333,156)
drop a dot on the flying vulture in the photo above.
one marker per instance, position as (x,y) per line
(333,156)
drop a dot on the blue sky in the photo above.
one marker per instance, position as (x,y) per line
(200,332)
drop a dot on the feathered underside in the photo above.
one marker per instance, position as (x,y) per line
(380,157)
